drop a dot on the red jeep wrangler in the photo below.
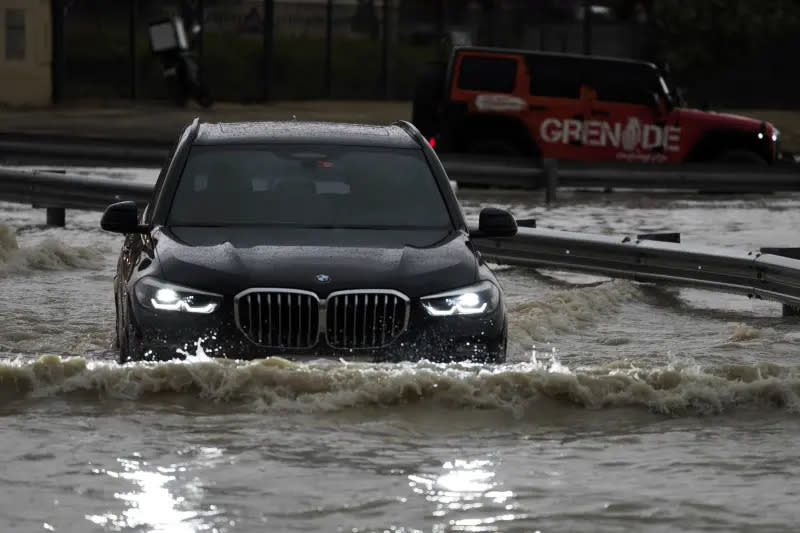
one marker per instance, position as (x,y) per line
(577,107)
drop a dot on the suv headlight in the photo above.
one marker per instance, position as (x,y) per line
(164,296)
(478,299)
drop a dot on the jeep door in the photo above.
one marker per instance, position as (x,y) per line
(628,120)
(555,111)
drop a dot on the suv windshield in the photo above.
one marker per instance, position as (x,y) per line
(308,186)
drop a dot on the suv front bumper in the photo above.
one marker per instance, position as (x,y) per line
(163,335)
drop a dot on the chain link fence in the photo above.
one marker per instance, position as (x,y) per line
(342,49)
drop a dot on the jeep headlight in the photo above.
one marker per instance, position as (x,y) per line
(161,295)
(478,299)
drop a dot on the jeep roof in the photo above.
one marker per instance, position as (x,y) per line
(554,55)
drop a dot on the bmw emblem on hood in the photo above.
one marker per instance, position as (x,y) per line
(323,278)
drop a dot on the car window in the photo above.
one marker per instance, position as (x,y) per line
(308,186)
(625,83)
(555,77)
(562,77)
(489,74)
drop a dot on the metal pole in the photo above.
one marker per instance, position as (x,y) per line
(132,19)
(56,216)
(385,49)
(186,13)
(269,45)
(587,27)
(58,65)
(440,18)
(201,19)
(550,167)
(329,49)
(490,21)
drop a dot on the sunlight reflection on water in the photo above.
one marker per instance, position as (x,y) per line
(154,505)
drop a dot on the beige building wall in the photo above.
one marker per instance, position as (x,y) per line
(25,52)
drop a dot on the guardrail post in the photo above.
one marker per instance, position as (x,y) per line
(791,253)
(550,169)
(56,216)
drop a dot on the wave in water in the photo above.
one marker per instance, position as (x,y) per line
(50,254)
(280,385)
(568,311)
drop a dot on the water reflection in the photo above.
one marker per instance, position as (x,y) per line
(154,505)
(466,487)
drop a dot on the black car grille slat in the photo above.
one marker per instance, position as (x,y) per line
(365,320)
(294,319)
(279,319)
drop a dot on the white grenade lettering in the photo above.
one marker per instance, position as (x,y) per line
(632,135)
(630,138)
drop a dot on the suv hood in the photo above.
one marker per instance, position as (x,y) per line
(229,260)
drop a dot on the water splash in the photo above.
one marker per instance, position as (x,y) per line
(49,254)
(743,332)
(277,384)
(568,311)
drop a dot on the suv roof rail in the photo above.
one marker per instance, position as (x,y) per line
(412,130)
(193,129)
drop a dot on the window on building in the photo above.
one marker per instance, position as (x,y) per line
(15,34)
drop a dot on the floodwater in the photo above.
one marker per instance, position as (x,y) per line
(623,407)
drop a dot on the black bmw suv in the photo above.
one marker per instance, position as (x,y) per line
(305,240)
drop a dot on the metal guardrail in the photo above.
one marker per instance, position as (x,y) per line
(49,147)
(527,175)
(65,191)
(466,170)
(762,275)
(755,274)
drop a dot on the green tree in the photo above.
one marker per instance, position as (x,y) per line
(696,35)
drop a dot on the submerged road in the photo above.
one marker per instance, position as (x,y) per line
(623,407)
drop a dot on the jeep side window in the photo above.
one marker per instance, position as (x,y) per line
(562,77)
(555,77)
(489,74)
(623,83)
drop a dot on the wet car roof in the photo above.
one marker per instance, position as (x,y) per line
(304,132)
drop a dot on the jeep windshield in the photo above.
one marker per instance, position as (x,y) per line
(308,186)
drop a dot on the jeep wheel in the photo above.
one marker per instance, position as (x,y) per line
(741,157)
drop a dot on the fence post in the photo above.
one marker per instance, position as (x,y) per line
(201,37)
(268,30)
(550,169)
(587,27)
(57,69)
(329,49)
(385,49)
(132,22)
(440,18)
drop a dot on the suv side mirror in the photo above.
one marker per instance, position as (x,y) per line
(495,222)
(122,217)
